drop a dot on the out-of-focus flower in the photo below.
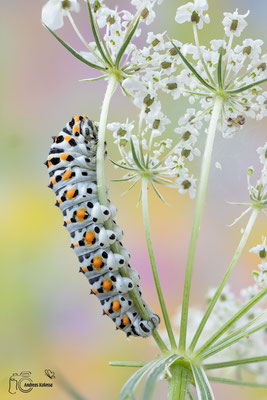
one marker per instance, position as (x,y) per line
(234,23)
(53,12)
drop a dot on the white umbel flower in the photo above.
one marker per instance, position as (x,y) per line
(53,12)
(193,12)
(234,23)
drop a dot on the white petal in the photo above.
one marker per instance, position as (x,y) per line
(52,15)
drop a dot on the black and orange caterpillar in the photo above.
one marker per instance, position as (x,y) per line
(72,169)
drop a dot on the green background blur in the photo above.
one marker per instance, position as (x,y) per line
(47,318)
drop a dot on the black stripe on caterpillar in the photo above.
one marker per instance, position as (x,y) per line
(72,170)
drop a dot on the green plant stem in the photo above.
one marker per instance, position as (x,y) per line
(200,203)
(178,383)
(218,292)
(153,263)
(234,363)
(131,364)
(102,196)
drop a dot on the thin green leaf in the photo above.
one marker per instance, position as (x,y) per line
(234,340)
(237,335)
(96,36)
(232,320)
(124,179)
(237,383)
(234,363)
(103,42)
(243,88)
(192,69)
(159,194)
(136,160)
(154,375)
(98,78)
(204,391)
(220,80)
(125,44)
(67,386)
(123,166)
(74,52)
(142,153)
(131,364)
(133,381)
(129,188)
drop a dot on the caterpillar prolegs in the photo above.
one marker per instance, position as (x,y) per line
(72,169)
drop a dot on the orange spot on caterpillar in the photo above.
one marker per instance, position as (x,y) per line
(80,214)
(67,174)
(126,320)
(68,138)
(70,193)
(53,180)
(59,200)
(89,237)
(64,156)
(77,118)
(97,262)
(84,269)
(76,244)
(68,221)
(105,311)
(107,285)
(94,291)
(116,305)
(76,128)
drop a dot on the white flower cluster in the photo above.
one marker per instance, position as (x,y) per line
(258,193)
(261,275)
(250,346)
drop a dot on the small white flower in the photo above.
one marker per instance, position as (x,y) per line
(262,151)
(260,249)
(193,12)
(234,23)
(53,12)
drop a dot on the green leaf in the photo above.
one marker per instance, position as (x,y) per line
(125,44)
(235,337)
(125,179)
(133,381)
(234,363)
(98,78)
(131,364)
(154,374)
(129,188)
(204,391)
(237,383)
(192,69)
(220,80)
(67,386)
(74,52)
(231,321)
(96,36)
(159,194)
(123,166)
(136,160)
(242,89)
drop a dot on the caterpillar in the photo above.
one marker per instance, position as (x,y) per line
(72,169)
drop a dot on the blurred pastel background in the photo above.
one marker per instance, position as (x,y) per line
(47,318)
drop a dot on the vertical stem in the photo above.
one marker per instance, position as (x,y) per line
(100,155)
(153,264)
(216,296)
(178,383)
(201,56)
(200,203)
(102,196)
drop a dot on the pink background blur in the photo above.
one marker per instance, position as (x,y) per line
(48,319)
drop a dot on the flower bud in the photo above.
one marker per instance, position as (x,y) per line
(96,6)
(173,52)
(262,253)
(155,42)
(121,132)
(186,136)
(156,123)
(148,100)
(234,24)
(262,66)
(144,13)
(166,64)
(195,17)
(111,20)
(247,50)
(185,153)
(250,171)
(172,86)
(186,184)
